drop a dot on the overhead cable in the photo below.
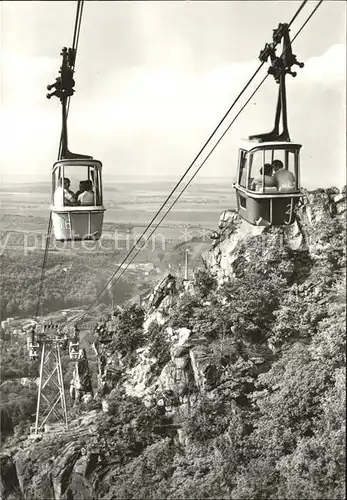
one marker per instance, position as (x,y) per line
(109,282)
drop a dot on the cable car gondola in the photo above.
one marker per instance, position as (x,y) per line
(70,220)
(268,182)
(76,215)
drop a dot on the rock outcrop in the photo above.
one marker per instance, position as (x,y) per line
(7,428)
(171,364)
(318,208)
(81,384)
(59,466)
(190,368)
(8,474)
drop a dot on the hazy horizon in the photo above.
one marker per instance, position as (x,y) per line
(153,79)
(154,178)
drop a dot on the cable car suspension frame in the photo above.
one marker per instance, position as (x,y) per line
(280,67)
(64,90)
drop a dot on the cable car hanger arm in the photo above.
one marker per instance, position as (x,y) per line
(280,67)
(64,87)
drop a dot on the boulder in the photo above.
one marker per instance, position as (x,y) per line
(176,378)
(183,335)
(139,378)
(179,351)
(203,368)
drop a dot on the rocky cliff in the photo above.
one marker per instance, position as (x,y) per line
(319,213)
(228,385)
(81,384)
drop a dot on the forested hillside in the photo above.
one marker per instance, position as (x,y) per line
(70,280)
(229,386)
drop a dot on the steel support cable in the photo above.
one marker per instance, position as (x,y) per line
(77,29)
(188,183)
(182,177)
(297,13)
(183,190)
(75,41)
(307,20)
(193,162)
(48,236)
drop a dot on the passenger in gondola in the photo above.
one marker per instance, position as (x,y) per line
(284,179)
(243,176)
(63,196)
(269,180)
(87,197)
(81,189)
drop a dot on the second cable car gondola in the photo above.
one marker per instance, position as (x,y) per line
(76,215)
(258,202)
(268,182)
(71,220)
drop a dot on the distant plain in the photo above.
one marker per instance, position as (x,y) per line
(126,203)
(76,272)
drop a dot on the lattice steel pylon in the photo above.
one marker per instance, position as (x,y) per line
(51,401)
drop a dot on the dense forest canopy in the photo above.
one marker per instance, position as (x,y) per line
(70,280)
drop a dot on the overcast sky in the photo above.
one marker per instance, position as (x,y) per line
(154,78)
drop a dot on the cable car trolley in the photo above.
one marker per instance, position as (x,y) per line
(76,214)
(74,345)
(268,180)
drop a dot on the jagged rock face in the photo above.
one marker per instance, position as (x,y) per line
(156,316)
(70,469)
(188,372)
(81,384)
(63,477)
(6,429)
(317,208)
(81,485)
(138,379)
(221,258)
(109,368)
(166,287)
(60,466)
(205,373)
(175,379)
(190,366)
(159,302)
(176,376)
(8,475)
(111,364)
(189,369)
(25,469)
(62,469)
(340,203)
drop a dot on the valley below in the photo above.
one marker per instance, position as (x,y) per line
(225,379)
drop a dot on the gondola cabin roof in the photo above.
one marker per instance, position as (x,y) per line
(80,162)
(250,145)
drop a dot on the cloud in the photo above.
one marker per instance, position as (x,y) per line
(153,119)
(330,67)
(149,96)
(23,77)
